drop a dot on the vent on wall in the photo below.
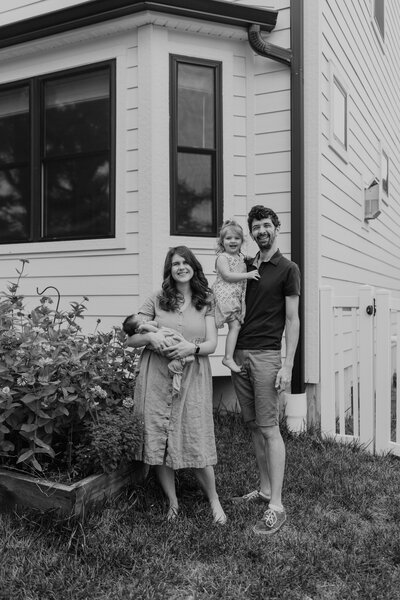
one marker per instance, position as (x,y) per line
(372,200)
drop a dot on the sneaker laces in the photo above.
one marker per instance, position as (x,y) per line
(251,495)
(270,517)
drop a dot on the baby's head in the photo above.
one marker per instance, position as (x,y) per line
(131,324)
(229,227)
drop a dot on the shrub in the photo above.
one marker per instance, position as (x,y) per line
(63,393)
(110,440)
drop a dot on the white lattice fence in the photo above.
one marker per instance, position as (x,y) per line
(387,370)
(360,363)
(347,396)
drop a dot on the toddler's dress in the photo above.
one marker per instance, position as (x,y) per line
(230,297)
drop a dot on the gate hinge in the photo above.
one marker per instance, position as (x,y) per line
(371,308)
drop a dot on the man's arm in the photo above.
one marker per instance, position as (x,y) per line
(292,329)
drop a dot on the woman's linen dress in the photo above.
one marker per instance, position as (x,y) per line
(178,426)
(230,296)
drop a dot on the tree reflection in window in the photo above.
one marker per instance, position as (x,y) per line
(14,164)
(57,156)
(76,161)
(196,143)
(194,193)
(77,193)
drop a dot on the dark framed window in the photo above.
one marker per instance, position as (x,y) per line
(379,15)
(57,149)
(196,146)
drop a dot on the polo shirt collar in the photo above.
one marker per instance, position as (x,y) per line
(275,258)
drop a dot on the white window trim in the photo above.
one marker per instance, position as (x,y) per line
(384,159)
(61,63)
(375,183)
(334,144)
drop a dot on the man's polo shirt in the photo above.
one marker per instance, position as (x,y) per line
(265,302)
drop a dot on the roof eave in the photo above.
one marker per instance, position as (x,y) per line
(98,11)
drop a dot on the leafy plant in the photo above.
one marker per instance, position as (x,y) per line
(59,386)
(111,440)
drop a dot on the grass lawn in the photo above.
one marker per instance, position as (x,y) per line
(342,539)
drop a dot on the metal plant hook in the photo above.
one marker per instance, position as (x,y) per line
(51,287)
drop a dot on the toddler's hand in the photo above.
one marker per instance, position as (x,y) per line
(253,274)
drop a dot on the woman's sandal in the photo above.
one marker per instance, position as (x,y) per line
(172,513)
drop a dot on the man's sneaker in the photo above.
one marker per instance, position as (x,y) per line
(255,496)
(270,523)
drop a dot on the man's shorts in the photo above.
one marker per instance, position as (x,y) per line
(255,385)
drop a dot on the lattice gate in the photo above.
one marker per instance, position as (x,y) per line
(360,399)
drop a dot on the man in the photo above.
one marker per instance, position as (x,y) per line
(271,307)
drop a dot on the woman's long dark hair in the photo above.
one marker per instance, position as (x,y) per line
(169,297)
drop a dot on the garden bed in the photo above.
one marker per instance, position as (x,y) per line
(23,490)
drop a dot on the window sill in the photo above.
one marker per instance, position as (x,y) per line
(339,150)
(71,246)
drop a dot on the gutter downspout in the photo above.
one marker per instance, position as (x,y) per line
(264,48)
(293,58)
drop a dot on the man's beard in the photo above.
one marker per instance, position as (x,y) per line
(267,242)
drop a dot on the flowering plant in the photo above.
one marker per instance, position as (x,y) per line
(65,396)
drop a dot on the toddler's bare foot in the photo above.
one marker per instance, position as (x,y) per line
(230,363)
(172,513)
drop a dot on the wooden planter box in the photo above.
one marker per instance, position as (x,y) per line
(23,490)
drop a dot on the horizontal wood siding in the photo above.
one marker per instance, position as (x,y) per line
(272,130)
(354,252)
(256,127)
(128,301)
(107,277)
(235,201)
(261,144)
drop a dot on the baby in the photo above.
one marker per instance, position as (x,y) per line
(134,324)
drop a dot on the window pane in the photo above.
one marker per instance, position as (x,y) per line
(14,126)
(385,173)
(194,194)
(196,106)
(14,207)
(77,198)
(339,114)
(77,114)
(379,8)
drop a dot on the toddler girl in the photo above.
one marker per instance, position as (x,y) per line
(230,286)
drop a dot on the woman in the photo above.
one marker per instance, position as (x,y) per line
(178,426)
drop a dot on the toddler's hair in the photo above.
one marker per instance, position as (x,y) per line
(228,225)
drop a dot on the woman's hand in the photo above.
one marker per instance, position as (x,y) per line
(180,350)
(156,341)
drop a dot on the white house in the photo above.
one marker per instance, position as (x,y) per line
(129,126)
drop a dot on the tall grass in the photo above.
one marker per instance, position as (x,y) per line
(342,539)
